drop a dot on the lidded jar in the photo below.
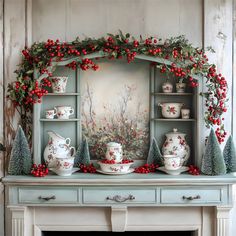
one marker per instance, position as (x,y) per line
(114,152)
(175,144)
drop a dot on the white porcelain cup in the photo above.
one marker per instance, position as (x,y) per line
(59,84)
(172,162)
(185,113)
(180,87)
(64,166)
(64,112)
(50,114)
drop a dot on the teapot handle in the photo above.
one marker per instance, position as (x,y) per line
(68,140)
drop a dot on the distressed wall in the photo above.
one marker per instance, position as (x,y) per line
(203,22)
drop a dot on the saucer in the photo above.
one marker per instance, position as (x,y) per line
(115,173)
(173,172)
(64,173)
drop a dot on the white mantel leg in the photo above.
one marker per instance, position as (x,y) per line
(222,220)
(18,220)
(118,218)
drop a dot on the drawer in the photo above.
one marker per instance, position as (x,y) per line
(47,195)
(119,196)
(191,196)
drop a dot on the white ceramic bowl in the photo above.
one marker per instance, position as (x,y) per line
(115,168)
(170,110)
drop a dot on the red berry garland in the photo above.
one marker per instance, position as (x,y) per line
(187,64)
(39,170)
(146,168)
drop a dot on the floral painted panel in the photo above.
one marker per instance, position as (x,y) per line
(115,108)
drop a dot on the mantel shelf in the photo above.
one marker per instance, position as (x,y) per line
(59,120)
(172,94)
(171,120)
(63,94)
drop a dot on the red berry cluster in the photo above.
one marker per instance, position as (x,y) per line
(88,64)
(146,168)
(177,71)
(124,161)
(216,102)
(193,170)
(87,169)
(39,170)
(105,161)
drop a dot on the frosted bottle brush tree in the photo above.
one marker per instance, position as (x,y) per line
(82,155)
(20,160)
(229,154)
(213,161)
(154,154)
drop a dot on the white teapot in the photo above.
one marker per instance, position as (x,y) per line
(114,152)
(175,144)
(57,147)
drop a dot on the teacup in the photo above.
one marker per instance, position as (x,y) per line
(64,112)
(172,162)
(64,166)
(50,114)
(59,84)
(185,113)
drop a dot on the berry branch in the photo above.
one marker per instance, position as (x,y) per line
(177,55)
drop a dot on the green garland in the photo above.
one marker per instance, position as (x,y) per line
(176,56)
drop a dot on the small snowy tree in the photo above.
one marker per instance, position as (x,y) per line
(229,154)
(82,155)
(20,160)
(154,154)
(213,161)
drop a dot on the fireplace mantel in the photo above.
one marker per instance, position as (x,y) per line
(94,202)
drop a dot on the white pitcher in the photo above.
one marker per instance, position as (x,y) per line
(57,147)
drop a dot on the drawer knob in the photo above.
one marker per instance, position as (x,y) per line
(47,198)
(191,198)
(118,198)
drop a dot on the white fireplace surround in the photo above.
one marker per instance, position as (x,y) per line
(88,203)
(26,220)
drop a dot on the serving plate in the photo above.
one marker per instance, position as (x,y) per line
(173,172)
(130,170)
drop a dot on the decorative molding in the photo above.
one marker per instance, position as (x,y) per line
(118,218)
(18,220)
(222,220)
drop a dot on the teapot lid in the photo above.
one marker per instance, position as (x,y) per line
(175,131)
(113,144)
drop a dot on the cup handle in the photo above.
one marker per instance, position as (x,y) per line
(72,151)
(68,140)
(72,111)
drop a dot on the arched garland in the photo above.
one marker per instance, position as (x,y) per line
(187,63)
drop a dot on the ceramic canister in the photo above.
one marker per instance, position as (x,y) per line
(114,152)
(175,144)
